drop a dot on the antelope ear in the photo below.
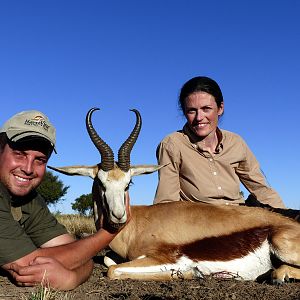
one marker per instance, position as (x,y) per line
(144,169)
(90,171)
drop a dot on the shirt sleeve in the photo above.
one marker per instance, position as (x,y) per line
(37,226)
(168,188)
(255,182)
(41,226)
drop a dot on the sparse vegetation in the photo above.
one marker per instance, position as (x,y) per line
(52,189)
(46,293)
(43,293)
(84,205)
(77,225)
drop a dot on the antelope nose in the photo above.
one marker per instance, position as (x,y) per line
(118,216)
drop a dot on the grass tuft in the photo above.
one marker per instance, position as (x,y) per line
(47,293)
(77,225)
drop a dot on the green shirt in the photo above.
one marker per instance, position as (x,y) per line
(34,225)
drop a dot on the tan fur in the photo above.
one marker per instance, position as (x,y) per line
(284,273)
(115,174)
(180,223)
(160,232)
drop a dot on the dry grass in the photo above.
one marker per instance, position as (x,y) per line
(45,293)
(77,225)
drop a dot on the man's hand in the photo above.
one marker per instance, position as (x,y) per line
(46,271)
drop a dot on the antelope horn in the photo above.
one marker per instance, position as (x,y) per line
(107,155)
(125,149)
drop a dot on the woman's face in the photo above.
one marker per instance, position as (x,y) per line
(202,113)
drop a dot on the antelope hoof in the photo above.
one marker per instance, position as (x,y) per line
(279,279)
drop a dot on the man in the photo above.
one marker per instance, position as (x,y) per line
(34,247)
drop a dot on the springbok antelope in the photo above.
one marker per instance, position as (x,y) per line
(182,239)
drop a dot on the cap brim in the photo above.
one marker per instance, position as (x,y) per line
(37,138)
(18,135)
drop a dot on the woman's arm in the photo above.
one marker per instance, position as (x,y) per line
(255,182)
(168,188)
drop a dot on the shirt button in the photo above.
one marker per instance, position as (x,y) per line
(226,203)
(215,173)
(210,159)
(219,188)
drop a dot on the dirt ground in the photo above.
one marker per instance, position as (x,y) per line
(100,287)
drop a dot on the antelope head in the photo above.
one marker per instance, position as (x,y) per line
(111,179)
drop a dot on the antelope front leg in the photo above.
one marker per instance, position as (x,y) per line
(286,244)
(148,269)
(284,273)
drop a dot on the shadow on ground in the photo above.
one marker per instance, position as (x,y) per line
(100,287)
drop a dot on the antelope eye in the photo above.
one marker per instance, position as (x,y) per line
(102,186)
(129,184)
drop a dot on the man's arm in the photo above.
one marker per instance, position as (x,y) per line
(69,257)
(48,271)
(72,261)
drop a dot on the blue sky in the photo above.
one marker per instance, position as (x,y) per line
(64,57)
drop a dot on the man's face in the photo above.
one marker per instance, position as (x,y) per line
(21,170)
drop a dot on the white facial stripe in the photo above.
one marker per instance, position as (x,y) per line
(115,183)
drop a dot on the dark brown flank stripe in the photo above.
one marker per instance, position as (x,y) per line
(221,248)
(226,247)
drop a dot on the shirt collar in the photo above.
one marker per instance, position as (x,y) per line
(194,139)
(4,191)
(16,201)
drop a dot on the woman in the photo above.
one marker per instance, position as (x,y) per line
(205,163)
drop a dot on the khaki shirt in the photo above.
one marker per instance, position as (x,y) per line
(193,174)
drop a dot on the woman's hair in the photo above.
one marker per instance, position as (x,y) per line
(200,84)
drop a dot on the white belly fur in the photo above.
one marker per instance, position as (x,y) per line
(246,268)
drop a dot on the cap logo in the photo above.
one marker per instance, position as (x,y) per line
(37,121)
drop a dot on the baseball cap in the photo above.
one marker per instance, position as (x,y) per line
(29,124)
